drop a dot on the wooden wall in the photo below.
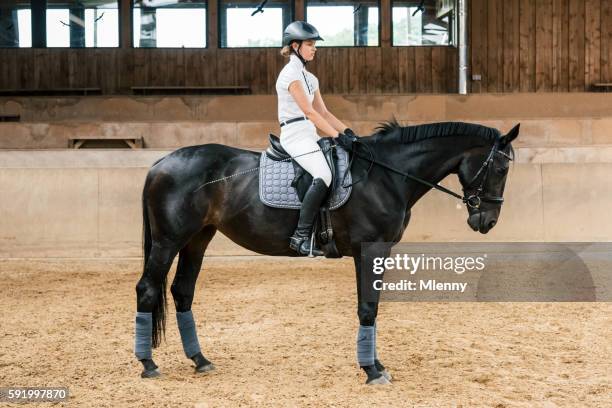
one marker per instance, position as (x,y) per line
(541,45)
(515,45)
(342,70)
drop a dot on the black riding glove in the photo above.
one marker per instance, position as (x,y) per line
(346,140)
(349,132)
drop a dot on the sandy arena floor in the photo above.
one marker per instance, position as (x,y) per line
(281,332)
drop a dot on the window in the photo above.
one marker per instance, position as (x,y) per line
(15,24)
(429,22)
(345,23)
(243,24)
(74,23)
(169,23)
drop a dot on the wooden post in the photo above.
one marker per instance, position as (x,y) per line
(39,23)
(213,25)
(300,12)
(385,23)
(125,23)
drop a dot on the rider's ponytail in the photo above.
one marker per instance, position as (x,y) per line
(286,51)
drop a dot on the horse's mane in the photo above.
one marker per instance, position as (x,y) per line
(392,131)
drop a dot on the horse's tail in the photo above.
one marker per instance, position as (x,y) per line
(146,227)
(159,310)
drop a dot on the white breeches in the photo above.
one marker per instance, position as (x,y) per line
(301,137)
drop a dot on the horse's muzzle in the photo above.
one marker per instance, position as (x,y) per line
(482,221)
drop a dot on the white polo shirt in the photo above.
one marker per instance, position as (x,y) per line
(294,70)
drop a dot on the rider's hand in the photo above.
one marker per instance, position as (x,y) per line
(345,140)
(349,132)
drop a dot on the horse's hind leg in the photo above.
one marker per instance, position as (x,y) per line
(183,288)
(151,305)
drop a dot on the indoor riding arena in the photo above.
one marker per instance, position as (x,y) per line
(103,221)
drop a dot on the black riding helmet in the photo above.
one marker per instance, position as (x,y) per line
(300,31)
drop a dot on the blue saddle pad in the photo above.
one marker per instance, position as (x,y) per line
(275,179)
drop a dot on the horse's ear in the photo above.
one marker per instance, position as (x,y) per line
(513,134)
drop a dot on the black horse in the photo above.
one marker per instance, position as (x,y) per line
(181,217)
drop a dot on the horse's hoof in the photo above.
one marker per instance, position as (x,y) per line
(150,373)
(382,380)
(387,375)
(205,368)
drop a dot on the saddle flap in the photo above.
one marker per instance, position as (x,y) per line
(275,151)
(326,144)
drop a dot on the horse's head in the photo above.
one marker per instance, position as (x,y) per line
(483,173)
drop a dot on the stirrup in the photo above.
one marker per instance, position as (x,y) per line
(304,245)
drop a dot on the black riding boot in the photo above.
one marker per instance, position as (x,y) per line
(300,241)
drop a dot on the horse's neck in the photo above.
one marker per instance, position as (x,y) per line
(430,160)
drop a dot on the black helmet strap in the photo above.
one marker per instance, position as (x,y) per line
(298,51)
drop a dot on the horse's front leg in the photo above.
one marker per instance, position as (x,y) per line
(367,309)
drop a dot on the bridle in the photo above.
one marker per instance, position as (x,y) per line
(473,200)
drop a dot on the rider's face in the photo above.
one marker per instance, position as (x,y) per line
(307,50)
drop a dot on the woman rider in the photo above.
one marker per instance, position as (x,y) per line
(300,112)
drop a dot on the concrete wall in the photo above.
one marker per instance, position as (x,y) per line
(87,203)
(367,107)
(170,122)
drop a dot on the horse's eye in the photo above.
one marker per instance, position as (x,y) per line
(501,170)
